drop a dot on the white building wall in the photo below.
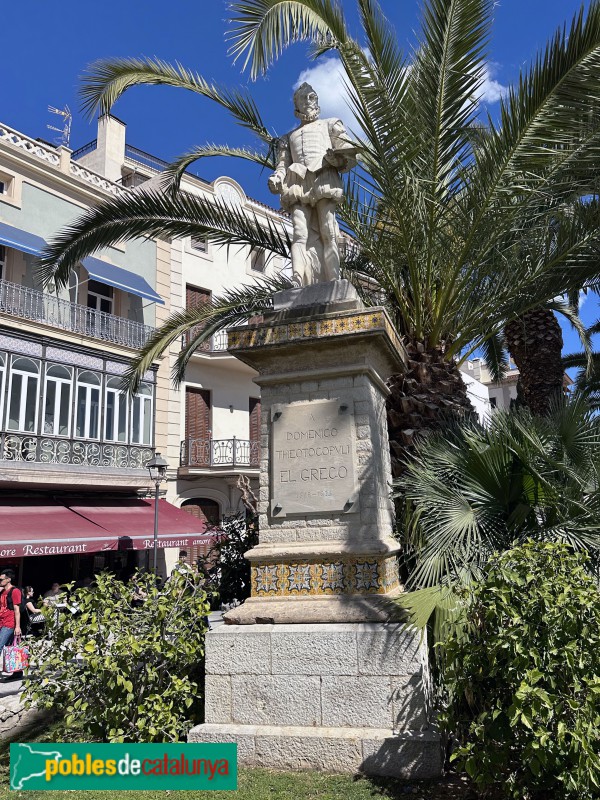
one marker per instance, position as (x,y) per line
(229,386)
(478,395)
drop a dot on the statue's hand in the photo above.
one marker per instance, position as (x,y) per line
(335,159)
(275,183)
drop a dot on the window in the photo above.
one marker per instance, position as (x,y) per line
(196,298)
(493,402)
(57,401)
(254,418)
(141,416)
(88,406)
(2,262)
(132,179)
(6,186)
(100,297)
(257,260)
(115,412)
(23,395)
(201,245)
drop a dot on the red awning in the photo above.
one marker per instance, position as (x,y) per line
(38,527)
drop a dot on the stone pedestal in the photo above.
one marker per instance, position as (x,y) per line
(314,671)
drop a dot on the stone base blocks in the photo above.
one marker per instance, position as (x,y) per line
(344,697)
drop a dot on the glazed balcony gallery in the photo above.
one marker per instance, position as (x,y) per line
(54,411)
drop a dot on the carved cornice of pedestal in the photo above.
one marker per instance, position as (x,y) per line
(253,343)
(282,551)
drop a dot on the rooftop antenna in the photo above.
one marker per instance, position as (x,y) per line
(65,131)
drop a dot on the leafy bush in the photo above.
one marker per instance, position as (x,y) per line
(523,677)
(124,671)
(230,573)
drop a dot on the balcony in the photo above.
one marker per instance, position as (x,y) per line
(219,453)
(29,448)
(216,343)
(25,303)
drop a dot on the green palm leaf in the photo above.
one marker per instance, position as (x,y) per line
(472,491)
(262,29)
(150,213)
(172,175)
(106,81)
(232,307)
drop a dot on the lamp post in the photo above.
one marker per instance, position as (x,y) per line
(157,467)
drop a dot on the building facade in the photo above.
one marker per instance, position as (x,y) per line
(73,446)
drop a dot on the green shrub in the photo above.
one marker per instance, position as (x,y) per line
(523,677)
(124,672)
(230,570)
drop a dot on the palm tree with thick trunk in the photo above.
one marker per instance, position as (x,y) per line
(535,342)
(461,227)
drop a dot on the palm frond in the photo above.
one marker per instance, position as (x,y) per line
(262,29)
(441,603)
(105,81)
(151,213)
(172,175)
(494,353)
(571,313)
(232,307)
(473,491)
(545,114)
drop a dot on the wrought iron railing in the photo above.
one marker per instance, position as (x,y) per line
(25,447)
(216,343)
(82,151)
(21,301)
(146,159)
(219,453)
(149,161)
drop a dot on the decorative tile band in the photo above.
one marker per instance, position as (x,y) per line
(338,325)
(339,576)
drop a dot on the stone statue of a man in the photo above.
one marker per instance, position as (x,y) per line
(309,162)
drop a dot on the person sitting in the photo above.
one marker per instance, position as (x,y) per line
(36,618)
(51,595)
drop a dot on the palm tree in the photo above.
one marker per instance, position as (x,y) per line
(535,342)
(473,491)
(461,226)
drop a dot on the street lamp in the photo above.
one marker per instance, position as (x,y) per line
(157,467)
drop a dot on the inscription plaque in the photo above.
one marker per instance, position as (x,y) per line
(313,458)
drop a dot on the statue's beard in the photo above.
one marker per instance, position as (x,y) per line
(310,115)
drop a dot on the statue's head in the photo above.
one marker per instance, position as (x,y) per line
(306,103)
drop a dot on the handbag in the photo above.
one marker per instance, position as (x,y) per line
(37,619)
(15,656)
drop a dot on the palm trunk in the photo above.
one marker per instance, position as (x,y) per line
(425,398)
(535,342)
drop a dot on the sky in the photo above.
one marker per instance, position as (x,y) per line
(50,46)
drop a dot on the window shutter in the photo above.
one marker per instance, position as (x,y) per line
(196,298)
(254,413)
(197,414)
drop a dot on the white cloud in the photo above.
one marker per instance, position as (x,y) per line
(491,91)
(327,79)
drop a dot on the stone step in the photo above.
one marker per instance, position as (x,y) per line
(412,755)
